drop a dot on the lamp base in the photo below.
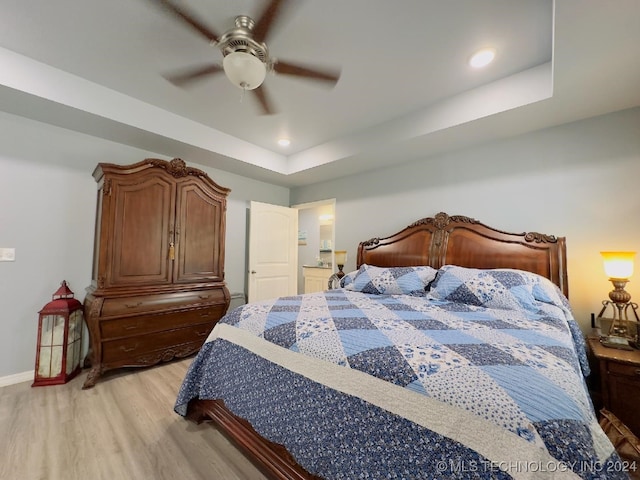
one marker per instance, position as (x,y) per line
(620,343)
(622,332)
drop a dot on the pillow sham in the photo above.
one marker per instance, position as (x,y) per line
(545,291)
(394,280)
(501,288)
(347,280)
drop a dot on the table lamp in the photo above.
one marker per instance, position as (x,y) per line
(623,333)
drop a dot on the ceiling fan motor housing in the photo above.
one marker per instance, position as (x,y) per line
(246,61)
(240,39)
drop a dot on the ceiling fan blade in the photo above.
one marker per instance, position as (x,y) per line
(186,76)
(267,19)
(327,75)
(191,20)
(265,100)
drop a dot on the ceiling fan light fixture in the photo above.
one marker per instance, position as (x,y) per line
(244,70)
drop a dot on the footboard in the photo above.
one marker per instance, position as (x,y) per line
(270,458)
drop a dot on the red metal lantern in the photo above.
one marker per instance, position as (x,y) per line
(59,348)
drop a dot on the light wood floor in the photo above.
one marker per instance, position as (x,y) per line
(123,428)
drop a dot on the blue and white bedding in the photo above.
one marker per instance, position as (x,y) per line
(479,374)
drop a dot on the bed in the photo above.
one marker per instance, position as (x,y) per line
(451,352)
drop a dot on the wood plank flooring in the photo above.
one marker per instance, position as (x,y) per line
(124,428)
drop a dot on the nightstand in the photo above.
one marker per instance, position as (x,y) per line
(619,372)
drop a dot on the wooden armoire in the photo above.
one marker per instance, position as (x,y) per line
(157,286)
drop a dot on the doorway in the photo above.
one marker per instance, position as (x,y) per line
(316,235)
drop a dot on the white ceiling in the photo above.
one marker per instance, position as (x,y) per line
(405,91)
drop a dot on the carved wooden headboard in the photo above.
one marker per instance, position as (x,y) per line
(464,241)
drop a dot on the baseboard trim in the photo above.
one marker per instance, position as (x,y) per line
(16,378)
(237,299)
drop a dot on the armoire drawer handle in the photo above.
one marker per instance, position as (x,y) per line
(132,305)
(204,297)
(202,334)
(130,349)
(637,371)
(205,314)
(132,327)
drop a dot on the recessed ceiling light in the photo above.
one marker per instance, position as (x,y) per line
(482,58)
(284,142)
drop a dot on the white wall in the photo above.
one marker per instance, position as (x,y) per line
(47,213)
(578,180)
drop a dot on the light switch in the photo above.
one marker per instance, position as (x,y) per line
(7,254)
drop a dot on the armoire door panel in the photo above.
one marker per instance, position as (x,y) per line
(143,232)
(199,226)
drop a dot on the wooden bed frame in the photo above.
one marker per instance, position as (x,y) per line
(433,241)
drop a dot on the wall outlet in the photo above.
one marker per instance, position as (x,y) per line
(7,254)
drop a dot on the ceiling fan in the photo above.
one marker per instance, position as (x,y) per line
(246,59)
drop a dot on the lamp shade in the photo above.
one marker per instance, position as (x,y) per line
(244,70)
(341,257)
(618,264)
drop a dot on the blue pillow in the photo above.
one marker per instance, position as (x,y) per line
(500,288)
(393,280)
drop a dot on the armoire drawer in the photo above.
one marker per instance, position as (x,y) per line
(114,351)
(144,324)
(163,301)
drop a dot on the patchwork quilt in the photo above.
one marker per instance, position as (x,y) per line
(360,385)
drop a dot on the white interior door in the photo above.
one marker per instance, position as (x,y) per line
(273,251)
